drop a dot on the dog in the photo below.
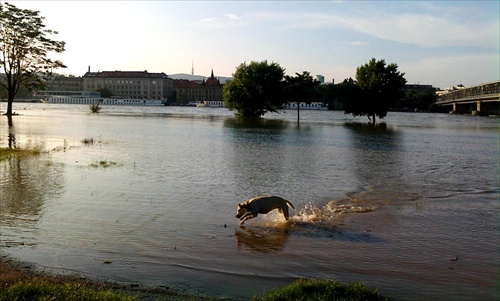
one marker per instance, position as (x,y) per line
(263,205)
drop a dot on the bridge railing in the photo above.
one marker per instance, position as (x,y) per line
(484,89)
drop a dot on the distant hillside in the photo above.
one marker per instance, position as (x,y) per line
(222,79)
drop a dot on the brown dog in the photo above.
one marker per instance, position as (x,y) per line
(262,204)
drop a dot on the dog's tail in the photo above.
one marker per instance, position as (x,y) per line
(289,204)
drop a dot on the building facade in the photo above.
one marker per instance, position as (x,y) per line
(190,92)
(64,83)
(130,84)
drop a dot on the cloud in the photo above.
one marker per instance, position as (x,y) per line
(358,43)
(232,17)
(429,28)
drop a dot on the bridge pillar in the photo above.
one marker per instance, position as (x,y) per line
(478,108)
(454,110)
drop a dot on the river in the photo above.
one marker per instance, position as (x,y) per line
(148,195)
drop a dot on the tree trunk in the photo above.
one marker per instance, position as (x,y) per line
(373,119)
(298,112)
(9,107)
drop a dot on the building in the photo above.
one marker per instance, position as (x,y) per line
(64,83)
(320,78)
(419,89)
(130,84)
(207,91)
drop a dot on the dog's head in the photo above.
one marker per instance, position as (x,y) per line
(242,209)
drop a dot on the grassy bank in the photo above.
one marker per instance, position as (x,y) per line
(21,282)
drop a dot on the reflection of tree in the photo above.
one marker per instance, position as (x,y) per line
(12,135)
(257,153)
(264,241)
(25,184)
(377,156)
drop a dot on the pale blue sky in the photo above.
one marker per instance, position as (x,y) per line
(442,43)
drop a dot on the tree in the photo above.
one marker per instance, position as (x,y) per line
(105,92)
(255,89)
(24,46)
(300,88)
(380,87)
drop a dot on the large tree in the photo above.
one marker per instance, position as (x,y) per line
(380,88)
(255,89)
(300,88)
(24,49)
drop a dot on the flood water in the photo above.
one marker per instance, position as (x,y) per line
(148,195)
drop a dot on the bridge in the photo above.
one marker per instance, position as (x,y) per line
(482,99)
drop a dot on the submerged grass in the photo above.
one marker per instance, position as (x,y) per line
(309,290)
(88,141)
(6,153)
(103,164)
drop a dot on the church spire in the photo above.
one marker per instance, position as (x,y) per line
(212,76)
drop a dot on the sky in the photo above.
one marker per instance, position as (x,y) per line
(439,43)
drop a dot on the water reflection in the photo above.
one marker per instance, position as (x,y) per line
(264,241)
(256,154)
(12,136)
(26,183)
(377,155)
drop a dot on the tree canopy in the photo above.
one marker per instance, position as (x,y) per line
(379,86)
(300,89)
(24,49)
(255,89)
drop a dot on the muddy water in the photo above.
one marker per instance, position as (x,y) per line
(151,193)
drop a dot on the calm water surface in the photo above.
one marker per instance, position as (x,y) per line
(155,193)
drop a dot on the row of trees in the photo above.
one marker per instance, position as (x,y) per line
(261,87)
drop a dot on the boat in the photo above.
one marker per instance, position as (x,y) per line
(102,101)
(210,103)
(201,103)
(306,106)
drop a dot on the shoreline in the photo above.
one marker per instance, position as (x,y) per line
(13,271)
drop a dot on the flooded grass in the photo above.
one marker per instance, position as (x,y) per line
(88,141)
(103,164)
(6,153)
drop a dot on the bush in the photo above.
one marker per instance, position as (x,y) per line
(95,107)
(305,290)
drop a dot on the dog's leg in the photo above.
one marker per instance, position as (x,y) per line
(284,210)
(245,219)
(247,216)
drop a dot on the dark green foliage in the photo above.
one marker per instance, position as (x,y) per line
(327,290)
(24,49)
(300,88)
(105,92)
(421,102)
(255,89)
(380,87)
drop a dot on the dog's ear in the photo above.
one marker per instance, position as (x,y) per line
(243,205)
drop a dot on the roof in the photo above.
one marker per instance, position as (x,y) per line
(125,74)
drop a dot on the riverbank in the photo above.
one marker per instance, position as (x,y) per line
(21,281)
(13,272)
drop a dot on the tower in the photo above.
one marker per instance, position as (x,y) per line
(192,67)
